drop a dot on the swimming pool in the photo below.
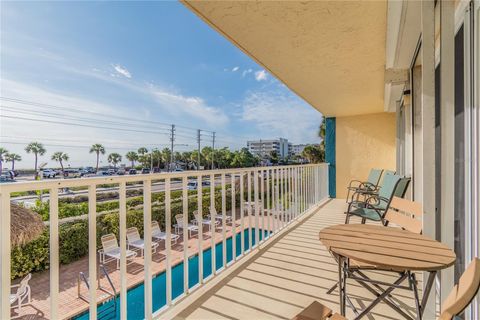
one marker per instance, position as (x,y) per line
(135,296)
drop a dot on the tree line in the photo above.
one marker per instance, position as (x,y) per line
(207,158)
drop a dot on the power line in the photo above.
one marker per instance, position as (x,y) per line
(63,108)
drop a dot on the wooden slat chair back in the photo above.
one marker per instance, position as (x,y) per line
(109,242)
(133,234)
(463,293)
(406,214)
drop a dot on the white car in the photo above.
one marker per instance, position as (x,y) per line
(49,173)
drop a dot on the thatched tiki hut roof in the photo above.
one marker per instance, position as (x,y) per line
(25,225)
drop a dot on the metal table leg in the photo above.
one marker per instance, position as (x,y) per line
(340,286)
(428,288)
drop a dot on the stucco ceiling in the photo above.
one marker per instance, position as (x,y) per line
(331,53)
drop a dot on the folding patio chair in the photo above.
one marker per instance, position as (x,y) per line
(207,222)
(456,302)
(219,217)
(370,185)
(22,295)
(111,251)
(376,205)
(179,225)
(159,235)
(135,241)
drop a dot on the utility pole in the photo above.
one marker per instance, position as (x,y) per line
(213,151)
(198,143)
(172,141)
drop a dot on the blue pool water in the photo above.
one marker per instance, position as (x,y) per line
(135,296)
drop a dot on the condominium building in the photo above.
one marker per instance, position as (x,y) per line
(297,149)
(264,148)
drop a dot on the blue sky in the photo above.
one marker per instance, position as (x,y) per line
(141,65)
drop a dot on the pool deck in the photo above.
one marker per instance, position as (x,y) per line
(70,304)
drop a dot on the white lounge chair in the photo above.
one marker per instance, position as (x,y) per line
(158,235)
(111,251)
(22,293)
(207,222)
(135,241)
(190,227)
(219,217)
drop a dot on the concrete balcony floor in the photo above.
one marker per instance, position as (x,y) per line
(286,276)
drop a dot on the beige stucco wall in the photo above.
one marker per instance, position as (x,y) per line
(363,142)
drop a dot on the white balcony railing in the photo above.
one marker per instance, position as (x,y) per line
(262,199)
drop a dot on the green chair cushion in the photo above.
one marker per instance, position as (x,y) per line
(370,214)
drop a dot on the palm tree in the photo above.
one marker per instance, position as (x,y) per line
(132,156)
(3,157)
(97,148)
(143,157)
(60,156)
(37,149)
(12,157)
(114,158)
(322,131)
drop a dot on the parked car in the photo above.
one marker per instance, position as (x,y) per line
(111,171)
(102,173)
(83,172)
(132,171)
(156,170)
(145,170)
(192,184)
(72,173)
(90,169)
(6,177)
(121,172)
(49,173)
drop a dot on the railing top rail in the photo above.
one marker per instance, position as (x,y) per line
(80,182)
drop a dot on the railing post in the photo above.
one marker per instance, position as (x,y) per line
(256,206)
(185,234)
(200,228)
(233,216)
(224,224)
(249,209)
(122,191)
(147,252)
(92,249)
(54,255)
(213,219)
(242,215)
(168,240)
(5,255)
(268,206)
(262,205)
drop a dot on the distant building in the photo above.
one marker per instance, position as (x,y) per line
(264,148)
(297,149)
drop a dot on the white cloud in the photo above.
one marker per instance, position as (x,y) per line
(235,69)
(122,70)
(245,72)
(192,106)
(278,113)
(261,75)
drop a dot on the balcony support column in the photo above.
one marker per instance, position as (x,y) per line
(447,123)
(428,131)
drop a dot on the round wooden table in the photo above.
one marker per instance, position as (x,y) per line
(385,248)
